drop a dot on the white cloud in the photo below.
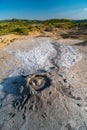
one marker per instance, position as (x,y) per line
(85,9)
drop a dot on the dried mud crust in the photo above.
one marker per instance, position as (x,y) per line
(45,98)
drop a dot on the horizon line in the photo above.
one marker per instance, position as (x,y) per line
(40,19)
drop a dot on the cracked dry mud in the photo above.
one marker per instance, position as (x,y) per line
(43,85)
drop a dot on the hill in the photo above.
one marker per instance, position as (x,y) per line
(23,27)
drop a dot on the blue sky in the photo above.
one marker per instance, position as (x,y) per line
(43,9)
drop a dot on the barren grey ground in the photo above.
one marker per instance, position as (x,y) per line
(59,68)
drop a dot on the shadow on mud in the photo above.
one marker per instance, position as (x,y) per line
(12,85)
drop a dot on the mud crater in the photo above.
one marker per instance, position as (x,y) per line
(30,95)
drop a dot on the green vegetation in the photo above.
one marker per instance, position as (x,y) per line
(81,23)
(59,23)
(23,27)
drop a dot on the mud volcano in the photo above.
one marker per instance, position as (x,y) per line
(30,93)
(38,82)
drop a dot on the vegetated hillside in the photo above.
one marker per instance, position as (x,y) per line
(23,27)
(81,23)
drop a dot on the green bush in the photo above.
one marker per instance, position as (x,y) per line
(22,31)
